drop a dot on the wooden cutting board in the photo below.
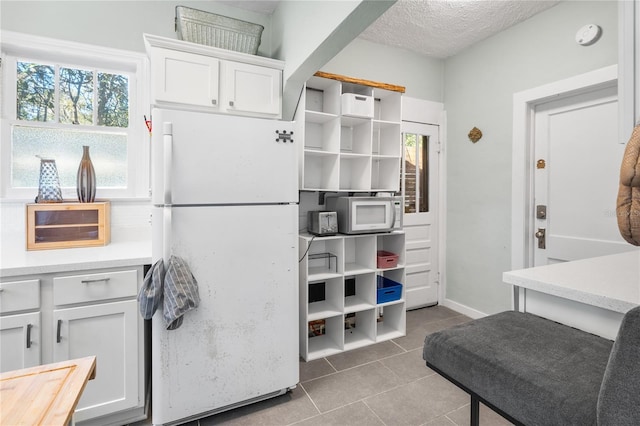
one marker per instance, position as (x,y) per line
(46,394)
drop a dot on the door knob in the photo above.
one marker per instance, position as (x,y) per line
(541,236)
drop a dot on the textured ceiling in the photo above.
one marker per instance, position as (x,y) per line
(434,28)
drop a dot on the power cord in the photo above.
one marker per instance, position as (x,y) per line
(307,251)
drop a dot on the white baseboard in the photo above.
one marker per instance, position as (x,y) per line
(463,309)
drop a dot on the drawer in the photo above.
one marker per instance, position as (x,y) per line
(94,287)
(19,296)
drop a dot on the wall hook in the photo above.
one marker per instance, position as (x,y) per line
(475,135)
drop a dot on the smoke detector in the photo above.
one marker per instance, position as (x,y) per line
(588,34)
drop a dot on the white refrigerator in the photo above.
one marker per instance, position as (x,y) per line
(225,199)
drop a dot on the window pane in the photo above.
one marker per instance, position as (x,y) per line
(423,152)
(108,153)
(410,162)
(113,100)
(416,173)
(76,96)
(35,92)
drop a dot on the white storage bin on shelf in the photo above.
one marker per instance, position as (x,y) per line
(350,146)
(339,308)
(355,105)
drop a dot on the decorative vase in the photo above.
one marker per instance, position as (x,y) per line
(49,183)
(86,180)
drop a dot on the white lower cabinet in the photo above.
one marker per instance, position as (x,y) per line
(108,331)
(19,325)
(348,299)
(93,313)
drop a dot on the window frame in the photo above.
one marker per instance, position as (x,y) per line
(19,47)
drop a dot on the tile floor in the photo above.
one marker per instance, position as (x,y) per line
(384,384)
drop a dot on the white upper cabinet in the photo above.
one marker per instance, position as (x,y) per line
(251,89)
(193,76)
(184,78)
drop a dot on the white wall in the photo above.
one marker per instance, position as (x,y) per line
(479,87)
(117,24)
(422,77)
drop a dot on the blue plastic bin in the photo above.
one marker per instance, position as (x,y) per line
(388,290)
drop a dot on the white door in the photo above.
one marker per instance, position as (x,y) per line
(420,191)
(577,157)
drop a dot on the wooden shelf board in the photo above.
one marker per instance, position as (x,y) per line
(374,84)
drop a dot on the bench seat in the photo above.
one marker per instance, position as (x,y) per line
(531,370)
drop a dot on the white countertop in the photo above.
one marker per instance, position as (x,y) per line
(610,282)
(127,248)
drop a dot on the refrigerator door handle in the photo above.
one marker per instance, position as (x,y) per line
(167,136)
(166,235)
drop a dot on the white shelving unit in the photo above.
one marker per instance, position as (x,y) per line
(350,150)
(339,307)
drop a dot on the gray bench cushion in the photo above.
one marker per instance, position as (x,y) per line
(536,370)
(619,401)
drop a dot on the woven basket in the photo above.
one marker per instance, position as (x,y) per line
(215,30)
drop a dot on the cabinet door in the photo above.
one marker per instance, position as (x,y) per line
(110,332)
(19,341)
(251,89)
(185,78)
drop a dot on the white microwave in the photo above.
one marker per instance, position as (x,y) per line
(361,215)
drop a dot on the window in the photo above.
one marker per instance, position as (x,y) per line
(55,103)
(416,173)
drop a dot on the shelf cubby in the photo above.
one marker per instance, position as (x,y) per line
(330,342)
(355,135)
(360,329)
(355,173)
(387,105)
(333,303)
(359,254)
(387,139)
(322,95)
(364,293)
(393,242)
(391,323)
(321,132)
(321,171)
(384,174)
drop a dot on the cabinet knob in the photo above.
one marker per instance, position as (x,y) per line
(214,102)
(230,103)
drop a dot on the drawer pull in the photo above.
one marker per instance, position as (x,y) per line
(29,335)
(58,337)
(99,280)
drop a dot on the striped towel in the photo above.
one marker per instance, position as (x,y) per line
(177,289)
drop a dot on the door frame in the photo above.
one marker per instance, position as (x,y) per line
(524,104)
